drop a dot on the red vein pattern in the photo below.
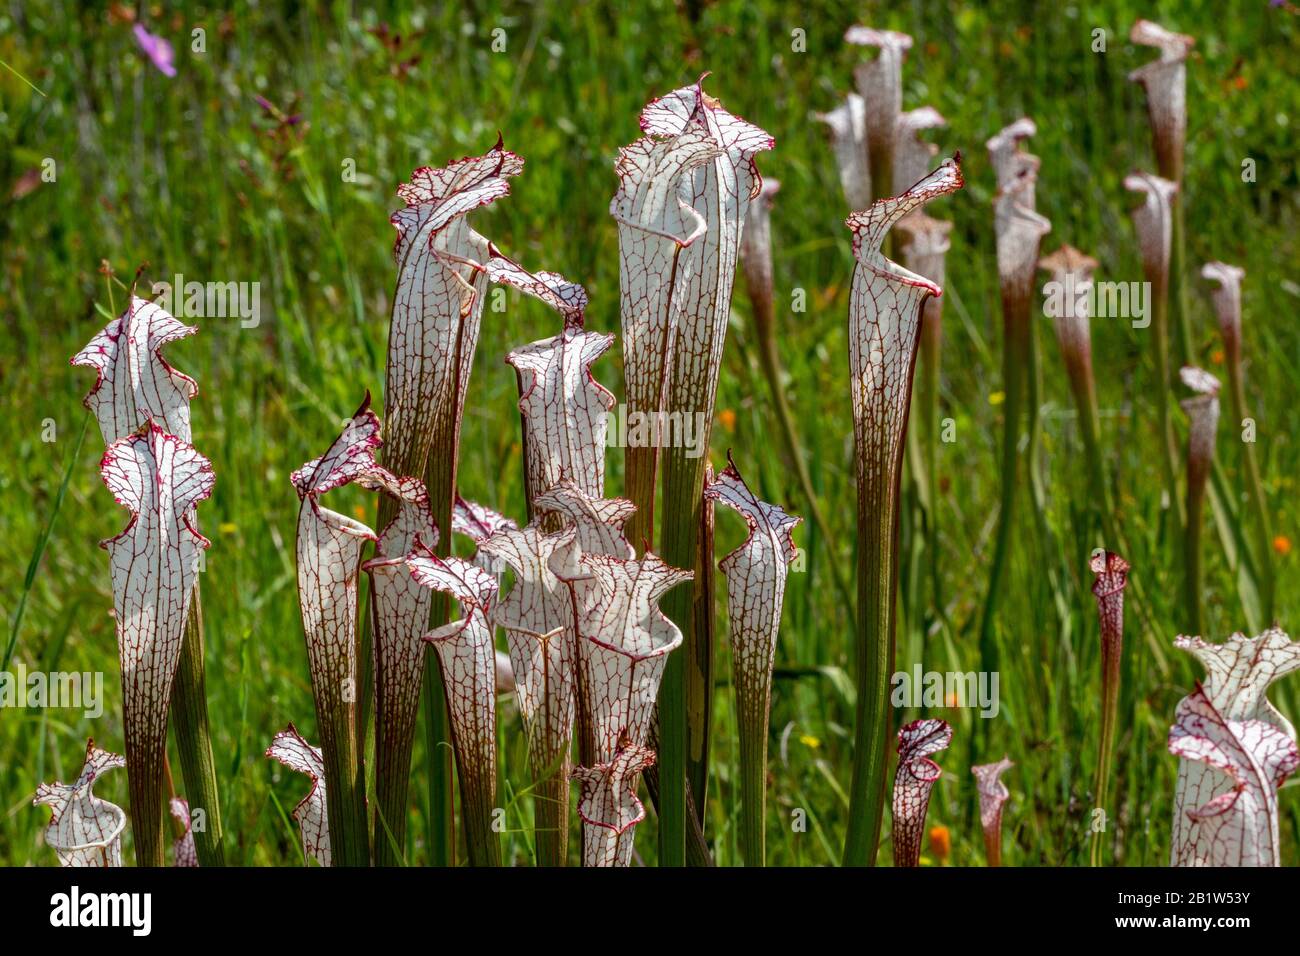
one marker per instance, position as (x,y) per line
(1238,827)
(133,381)
(756,573)
(993,795)
(598,522)
(84,830)
(468,660)
(1108,587)
(478,523)
(624,642)
(565,410)
(438,302)
(400,612)
(312,813)
(684,194)
(594,527)
(656,221)
(135,388)
(160,480)
(1238,673)
(329,547)
(916,777)
(720,192)
(1165,82)
(567,298)
(884,322)
(436,317)
(184,853)
(537,620)
(884,329)
(609,806)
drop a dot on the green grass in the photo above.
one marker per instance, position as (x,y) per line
(182,174)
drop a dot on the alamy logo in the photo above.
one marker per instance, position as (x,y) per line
(656,430)
(952,689)
(71,689)
(74,908)
(211,300)
(1068,299)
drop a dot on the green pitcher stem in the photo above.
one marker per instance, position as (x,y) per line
(1177,284)
(699,667)
(440,480)
(1254,490)
(1109,714)
(478,806)
(1198,476)
(437,724)
(392,761)
(639,468)
(752,717)
(345,796)
(672,749)
(878,512)
(683,484)
(1169,449)
(1085,400)
(189,713)
(928,390)
(697,848)
(551,816)
(1192,556)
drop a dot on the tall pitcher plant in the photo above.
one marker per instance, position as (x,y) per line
(436,315)
(142,405)
(564,413)
(1153,221)
(885,306)
(1066,296)
(684,194)
(1226,299)
(1019,230)
(756,574)
(1165,83)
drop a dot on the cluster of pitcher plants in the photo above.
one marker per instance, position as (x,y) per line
(606,606)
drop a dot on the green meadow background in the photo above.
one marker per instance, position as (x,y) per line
(191,175)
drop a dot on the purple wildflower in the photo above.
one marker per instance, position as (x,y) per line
(158,50)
